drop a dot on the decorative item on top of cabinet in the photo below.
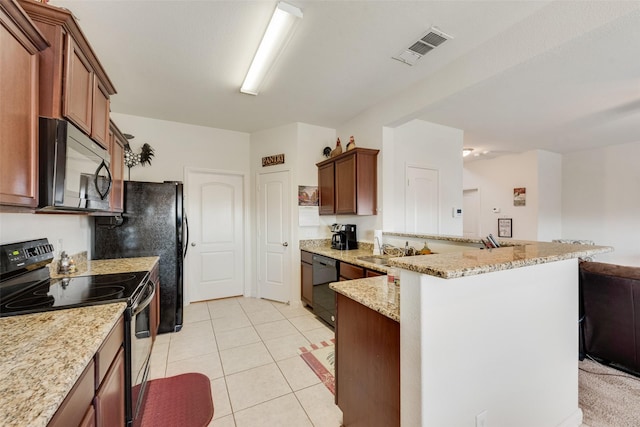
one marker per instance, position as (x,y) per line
(73,83)
(20,41)
(348,183)
(338,150)
(352,143)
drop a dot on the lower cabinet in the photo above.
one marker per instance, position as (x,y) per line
(350,271)
(109,401)
(367,366)
(306,277)
(97,398)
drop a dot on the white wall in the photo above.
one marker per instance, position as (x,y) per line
(176,145)
(180,145)
(539,172)
(428,145)
(72,229)
(601,200)
(302,145)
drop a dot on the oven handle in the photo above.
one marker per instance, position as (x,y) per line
(142,305)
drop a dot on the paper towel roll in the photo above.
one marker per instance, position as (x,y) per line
(377,242)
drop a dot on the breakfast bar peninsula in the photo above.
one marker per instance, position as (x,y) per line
(490,337)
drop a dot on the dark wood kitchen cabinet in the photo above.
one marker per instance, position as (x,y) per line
(73,83)
(117,143)
(20,42)
(367,365)
(348,183)
(97,398)
(109,401)
(306,277)
(351,272)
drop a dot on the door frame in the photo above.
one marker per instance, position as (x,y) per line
(246,225)
(293,236)
(479,211)
(407,166)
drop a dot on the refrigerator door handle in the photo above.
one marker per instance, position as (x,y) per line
(186,243)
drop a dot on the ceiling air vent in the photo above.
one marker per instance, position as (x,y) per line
(429,41)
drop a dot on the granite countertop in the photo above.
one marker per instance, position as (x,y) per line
(42,355)
(111,266)
(468,263)
(372,292)
(323,247)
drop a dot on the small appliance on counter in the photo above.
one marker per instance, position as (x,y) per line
(344,237)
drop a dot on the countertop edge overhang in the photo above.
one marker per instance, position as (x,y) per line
(472,262)
(374,293)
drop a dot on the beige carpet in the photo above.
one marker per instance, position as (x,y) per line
(611,400)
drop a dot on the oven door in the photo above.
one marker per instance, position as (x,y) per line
(142,337)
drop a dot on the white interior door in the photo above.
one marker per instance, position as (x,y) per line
(471,213)
(421,200)
(216,224)
(274,225)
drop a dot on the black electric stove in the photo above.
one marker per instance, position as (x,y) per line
(25,285)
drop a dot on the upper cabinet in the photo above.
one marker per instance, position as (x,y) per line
(20,42)
(348,183)
(73,83)
(117,143)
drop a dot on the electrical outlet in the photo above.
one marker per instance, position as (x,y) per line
(481,419)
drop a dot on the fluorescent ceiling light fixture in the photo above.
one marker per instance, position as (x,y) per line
(466,151)
(273,42)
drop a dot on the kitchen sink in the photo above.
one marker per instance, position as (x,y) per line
(375,259)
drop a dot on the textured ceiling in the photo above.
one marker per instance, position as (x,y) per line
(517,75)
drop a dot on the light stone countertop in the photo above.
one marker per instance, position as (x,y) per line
(472,262)
(112,266)
(374,293)
(323,247)
(43,354)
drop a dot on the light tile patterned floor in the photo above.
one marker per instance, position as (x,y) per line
(248,348)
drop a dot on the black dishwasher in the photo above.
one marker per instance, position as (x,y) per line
(325,271)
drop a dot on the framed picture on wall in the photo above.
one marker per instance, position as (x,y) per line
(505,227)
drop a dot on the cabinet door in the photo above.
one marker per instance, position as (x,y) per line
(116,150)
(373,273)
(18,118)
(350,271)
(78,83)
(74,407)
(100,114)
(89,419)
(109,399)
(345,184)
(326,188)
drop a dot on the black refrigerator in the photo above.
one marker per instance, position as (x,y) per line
(153,224)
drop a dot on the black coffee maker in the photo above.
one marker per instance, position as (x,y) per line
(344,237)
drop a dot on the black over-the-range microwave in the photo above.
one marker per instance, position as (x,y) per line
(74,170)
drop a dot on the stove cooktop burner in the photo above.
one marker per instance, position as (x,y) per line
(73,292)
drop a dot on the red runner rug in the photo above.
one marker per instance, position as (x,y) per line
(321,360)
(180,401)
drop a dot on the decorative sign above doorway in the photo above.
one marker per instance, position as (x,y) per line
(276,159)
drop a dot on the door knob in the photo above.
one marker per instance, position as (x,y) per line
(193,243)
(285,244)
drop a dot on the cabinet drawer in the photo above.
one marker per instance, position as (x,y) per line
(350,271)
(75,405)
(373,273)
(306,257)
(107,352)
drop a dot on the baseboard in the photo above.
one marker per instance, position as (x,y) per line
(574,420)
